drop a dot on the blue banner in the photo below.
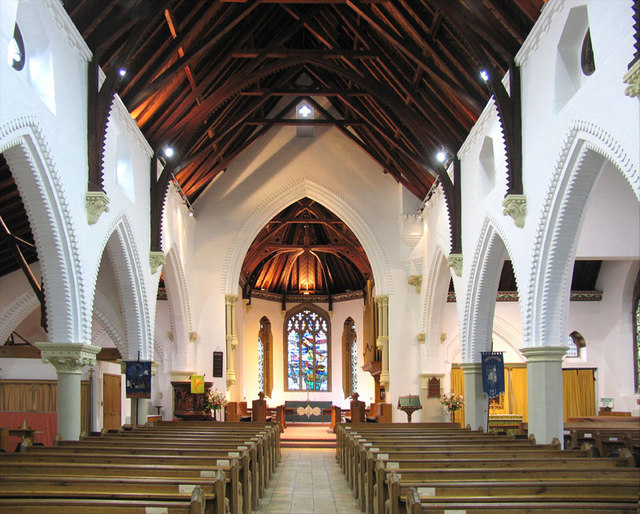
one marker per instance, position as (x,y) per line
(138,375)
(492,373)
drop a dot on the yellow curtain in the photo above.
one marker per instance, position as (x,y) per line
(28,396)
(457,386)
(518,396)
(579,393)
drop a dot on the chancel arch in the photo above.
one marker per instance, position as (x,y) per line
(286,196)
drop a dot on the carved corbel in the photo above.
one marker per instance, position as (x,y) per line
(156,260)
(415,281)
(231,378)
(516,207)
(96,202)
(632,77)
(421,337)
(193,337)
(455,262)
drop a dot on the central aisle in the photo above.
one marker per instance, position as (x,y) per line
(308,480)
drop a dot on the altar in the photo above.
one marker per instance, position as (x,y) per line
(304,411)
(509,423)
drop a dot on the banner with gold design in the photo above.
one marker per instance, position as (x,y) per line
(197,384)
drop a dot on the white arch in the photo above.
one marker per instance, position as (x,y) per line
(480,303)
(279,199)
(122,250)
(178,297)
(435,297)
(15,313)
(27,152)
(583,155)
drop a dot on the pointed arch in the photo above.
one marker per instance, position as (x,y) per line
(15,313)
(585,150)
(27,152)
(282,198)
(435,297)
(122,251)
(178,297)
(482,287)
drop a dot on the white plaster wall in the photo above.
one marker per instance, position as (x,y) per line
(328,168)
(272,310)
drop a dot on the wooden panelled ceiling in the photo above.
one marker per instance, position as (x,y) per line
(209,78)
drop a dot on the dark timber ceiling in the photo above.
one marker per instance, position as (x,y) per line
(401,77)
(305,249)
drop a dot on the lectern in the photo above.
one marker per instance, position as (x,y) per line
(409,404)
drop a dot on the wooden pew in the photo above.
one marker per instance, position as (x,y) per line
(241,486)
(414,506)
(549,475)
(97,488)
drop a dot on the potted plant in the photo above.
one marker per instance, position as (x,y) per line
(452,402)
(213,401)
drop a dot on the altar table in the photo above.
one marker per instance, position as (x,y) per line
(42,426)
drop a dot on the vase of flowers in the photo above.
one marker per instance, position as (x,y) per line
(213,401)
(452,402)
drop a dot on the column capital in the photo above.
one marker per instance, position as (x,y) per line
(232,340)
(156,261)
(471,367)
(516,207)
(415,281)
(231,378)
(382,300)
(230,299)
(544,353)
(454,260)
(68,357)
(381,342)
(632,77)
(96,202)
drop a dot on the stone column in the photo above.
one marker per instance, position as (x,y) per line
(69,359)
(230,301)
(544,392)
(382,342)
(476,403)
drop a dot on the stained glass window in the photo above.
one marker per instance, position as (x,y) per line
(572,351)
(307,351)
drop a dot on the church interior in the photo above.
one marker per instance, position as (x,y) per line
(317,212)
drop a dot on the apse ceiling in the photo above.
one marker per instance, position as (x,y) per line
(305,250)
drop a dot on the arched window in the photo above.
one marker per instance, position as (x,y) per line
(307,364)
(265,357)
(575,343)
(349,358)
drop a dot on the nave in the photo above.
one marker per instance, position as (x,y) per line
(308,480)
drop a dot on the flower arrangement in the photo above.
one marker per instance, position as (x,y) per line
(452,401)
(214,400)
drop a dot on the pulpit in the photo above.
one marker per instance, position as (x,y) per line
(188,405)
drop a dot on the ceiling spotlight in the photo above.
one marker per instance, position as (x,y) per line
(168,152)
(484,75)
(304,111)
(441,156)
(122,72)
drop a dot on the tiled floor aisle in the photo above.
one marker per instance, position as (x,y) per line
(306,481)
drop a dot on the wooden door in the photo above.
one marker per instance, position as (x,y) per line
(111,394)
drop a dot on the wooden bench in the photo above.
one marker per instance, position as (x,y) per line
(439,457)
(499,475)
(239,491)
(414,505)
(115,488)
